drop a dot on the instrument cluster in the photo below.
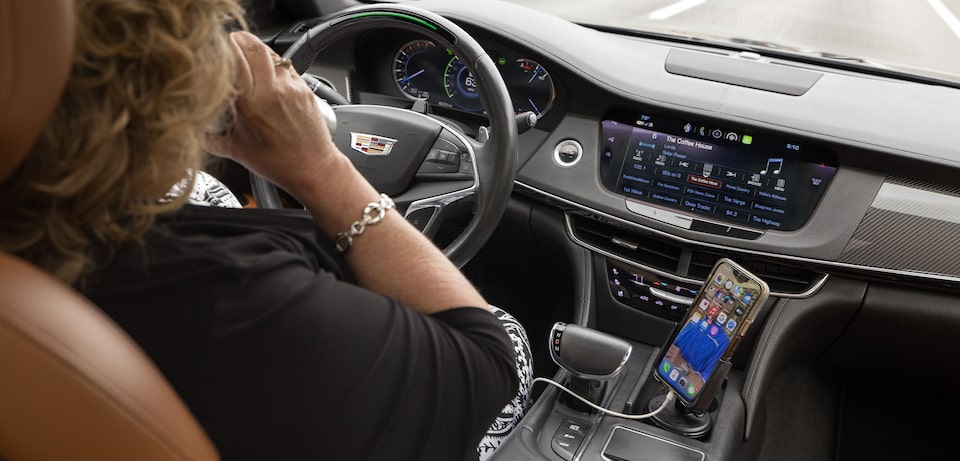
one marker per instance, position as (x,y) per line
(424,70)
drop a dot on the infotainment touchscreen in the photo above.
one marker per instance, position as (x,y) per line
(718,173)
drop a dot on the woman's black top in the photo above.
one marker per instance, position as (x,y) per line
(251,316)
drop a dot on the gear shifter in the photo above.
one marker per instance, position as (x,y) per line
(592,358)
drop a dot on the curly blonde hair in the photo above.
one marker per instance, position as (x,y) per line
(148,78)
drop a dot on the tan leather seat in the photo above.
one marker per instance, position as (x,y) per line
(72,384)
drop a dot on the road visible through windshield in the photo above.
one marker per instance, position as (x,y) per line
(916,36)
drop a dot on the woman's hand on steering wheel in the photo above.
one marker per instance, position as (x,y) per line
(278,131)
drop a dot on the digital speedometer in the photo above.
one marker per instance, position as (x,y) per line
(461,86)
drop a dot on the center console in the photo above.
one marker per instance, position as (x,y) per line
(726,188)
(555,431)
(642,284)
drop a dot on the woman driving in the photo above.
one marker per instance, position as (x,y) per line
(282,346)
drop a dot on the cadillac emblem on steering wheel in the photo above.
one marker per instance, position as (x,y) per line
(371,144)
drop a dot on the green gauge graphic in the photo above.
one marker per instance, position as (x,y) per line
(461,86)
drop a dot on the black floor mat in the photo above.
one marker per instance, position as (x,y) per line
(897,422)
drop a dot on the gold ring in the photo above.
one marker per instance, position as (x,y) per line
(283,62)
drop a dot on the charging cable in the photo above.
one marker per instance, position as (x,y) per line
(666,402)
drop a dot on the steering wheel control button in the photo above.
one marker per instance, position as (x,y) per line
(448,157)
(466,164)
(421,218)
(567,153)
(440,161)
(451,158)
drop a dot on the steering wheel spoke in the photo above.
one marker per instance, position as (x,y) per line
(428,214)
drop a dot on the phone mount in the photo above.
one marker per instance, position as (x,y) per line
(592,358)
(695,421)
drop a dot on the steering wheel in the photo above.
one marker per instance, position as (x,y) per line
(424,164)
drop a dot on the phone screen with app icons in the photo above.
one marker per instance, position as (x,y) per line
(719,314)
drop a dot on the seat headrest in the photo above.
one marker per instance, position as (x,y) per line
(36,50)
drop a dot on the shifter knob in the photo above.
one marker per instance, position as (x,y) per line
(587,353)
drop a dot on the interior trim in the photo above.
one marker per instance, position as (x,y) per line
(745,69)
(929,204)
(603,452)
(940,280)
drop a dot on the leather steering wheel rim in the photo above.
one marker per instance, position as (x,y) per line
(496,149)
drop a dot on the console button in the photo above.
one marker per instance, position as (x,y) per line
(563,448)
(622,294)
(570,425)
(572,437)
(568,438)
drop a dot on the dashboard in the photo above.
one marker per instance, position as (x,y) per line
(654,157)
(764,155)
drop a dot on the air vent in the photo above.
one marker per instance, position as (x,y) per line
(781,278)
(687,262)
(653,253)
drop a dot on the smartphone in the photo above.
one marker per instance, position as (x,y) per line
(709,333)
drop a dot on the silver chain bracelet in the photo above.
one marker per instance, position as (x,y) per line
(372,214)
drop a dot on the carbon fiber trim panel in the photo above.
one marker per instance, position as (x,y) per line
(911,226)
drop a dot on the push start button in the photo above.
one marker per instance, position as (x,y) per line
(568,153)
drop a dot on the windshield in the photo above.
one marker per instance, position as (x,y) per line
(913,36)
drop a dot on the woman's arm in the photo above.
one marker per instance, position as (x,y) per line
(280,134)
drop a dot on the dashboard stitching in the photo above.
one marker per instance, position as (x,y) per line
(722,99)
